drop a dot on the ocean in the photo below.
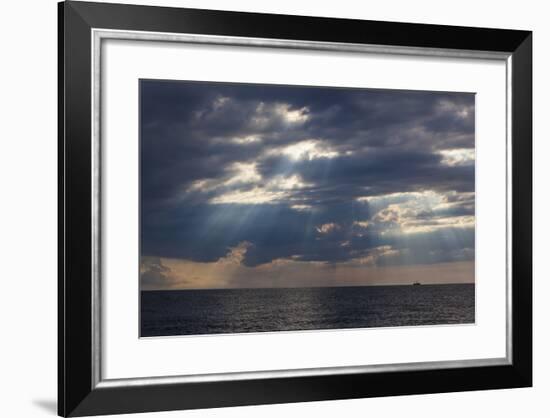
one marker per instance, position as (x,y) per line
(227,311)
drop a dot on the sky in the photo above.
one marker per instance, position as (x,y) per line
(255,185)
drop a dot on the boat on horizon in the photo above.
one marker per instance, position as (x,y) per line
(416,284)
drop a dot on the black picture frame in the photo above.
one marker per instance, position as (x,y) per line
(77,393)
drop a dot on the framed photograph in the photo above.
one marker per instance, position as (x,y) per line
(265,208)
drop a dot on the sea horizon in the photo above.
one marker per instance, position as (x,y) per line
(308,287)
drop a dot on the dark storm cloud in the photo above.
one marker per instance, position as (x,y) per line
(374,172)
(290,170)
(207,233)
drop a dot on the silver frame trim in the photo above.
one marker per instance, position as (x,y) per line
(98,35)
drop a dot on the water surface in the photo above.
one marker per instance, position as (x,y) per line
(216,311)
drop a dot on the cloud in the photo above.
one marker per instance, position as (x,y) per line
(327,228)
(292,273)
(154,274)
(458,156)
(303,174)
(309,149)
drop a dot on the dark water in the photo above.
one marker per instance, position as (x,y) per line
(188,312)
